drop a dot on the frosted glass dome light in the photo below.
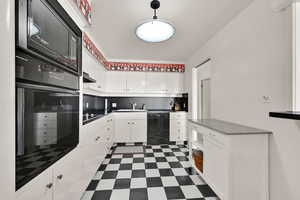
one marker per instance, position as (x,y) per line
(155,31)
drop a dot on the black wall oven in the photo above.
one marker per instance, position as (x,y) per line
(47,104)
(45,29)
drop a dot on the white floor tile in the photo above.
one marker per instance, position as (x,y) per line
(186,164)
(156,193)
(163,165)
(106,184)
(169,181)
(116,156)
(172,159)
(126,160)
(149,160)
(120,194)
(138,166)
(138,183)
(112,167)
(179,154)
(191,191)
(124,174)
(159,155)
(87,195)
(197,180)
(179,172)
(166,150)
(152,173)
(138,155)
(98,175)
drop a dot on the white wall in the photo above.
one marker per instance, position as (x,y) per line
(251,58)
(7,100)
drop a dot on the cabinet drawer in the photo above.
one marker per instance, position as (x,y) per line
(45,132)
(179,115)
(177,122)
(131,115)
(47,116)
(45,124)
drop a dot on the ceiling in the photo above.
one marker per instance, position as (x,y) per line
(196,21)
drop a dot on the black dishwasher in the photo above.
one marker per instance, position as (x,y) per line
(158,127)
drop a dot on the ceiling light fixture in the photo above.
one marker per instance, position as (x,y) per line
(155,30)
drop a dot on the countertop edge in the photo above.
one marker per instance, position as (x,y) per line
(257,132)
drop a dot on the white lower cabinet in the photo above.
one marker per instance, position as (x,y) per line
(235,166)
(178,126)
(131,127)
(40,188)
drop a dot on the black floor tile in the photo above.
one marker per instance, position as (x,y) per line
(154,182)
(115,161)
(138,160)
(102,168)
(174,193)
(166,172)
(140,173)
(122,184)
(138,194)
(175,165)
(150,165)
(102,195)
(161,159)
(206,191)
(93,185)
(109,174)
(184,180)
(125,167)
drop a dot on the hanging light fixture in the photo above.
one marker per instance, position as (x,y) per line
(155,30)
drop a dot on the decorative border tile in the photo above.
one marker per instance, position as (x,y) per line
(145,67)
(91,47)
(129,66)
(85,8)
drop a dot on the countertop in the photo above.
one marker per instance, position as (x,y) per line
(228,128)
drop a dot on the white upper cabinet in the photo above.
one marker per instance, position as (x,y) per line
(116,82)
(136,82)
(95,70)
(156,82)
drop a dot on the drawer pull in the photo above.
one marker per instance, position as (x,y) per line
(49,186)
(97,138)
(59,177)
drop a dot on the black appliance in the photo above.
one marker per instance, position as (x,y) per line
(47,104)
(46,30)
(158,127)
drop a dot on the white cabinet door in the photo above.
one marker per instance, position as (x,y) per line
(175,131)
(215,162)
(156,82)
(122,130)
(139,131)
(174,82)
(116,82)
(136,82)
(67,177)
(40,188)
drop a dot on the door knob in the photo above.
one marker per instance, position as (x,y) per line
(49,186)
(60,176)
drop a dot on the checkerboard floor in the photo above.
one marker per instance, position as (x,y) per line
(162,172)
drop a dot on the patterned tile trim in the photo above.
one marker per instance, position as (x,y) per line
(145,67)
(129,66)
(92,48)
(85,9)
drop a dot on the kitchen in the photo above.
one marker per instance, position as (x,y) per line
(95,109)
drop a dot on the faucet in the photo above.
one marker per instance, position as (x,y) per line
(133,106)
(144,107)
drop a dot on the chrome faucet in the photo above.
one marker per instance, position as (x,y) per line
(133,106)
(144,107)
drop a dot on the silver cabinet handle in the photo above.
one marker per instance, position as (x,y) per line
(59,177)
(97,138)
(49,186)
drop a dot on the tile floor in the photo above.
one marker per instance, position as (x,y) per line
(162,172)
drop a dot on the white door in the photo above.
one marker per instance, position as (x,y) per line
(138,131)
(136,82)
(205,99)
(122,130)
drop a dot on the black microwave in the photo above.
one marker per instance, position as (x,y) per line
(46,30)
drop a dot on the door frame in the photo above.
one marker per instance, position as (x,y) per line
(199,72)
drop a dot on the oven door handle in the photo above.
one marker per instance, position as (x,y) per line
(46,88)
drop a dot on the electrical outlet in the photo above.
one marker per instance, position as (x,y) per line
(114,105)
(267,99)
